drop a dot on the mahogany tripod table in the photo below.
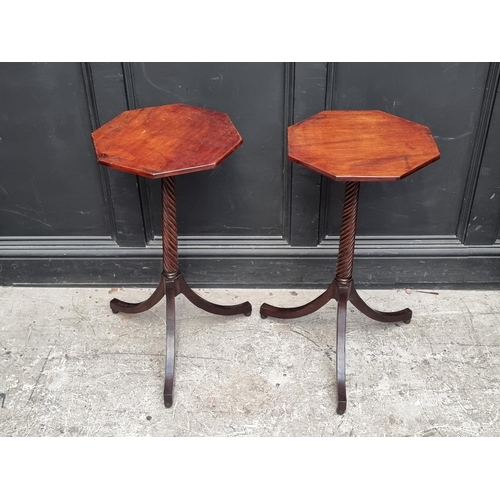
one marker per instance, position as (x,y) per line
(354,146)
(162,142)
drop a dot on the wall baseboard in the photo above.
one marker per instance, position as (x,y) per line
(441,262)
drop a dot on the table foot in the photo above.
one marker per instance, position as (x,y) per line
(168,399)
(168,389)
(243,308)
(341,407)
(385,317)
(297,312)
(130,308)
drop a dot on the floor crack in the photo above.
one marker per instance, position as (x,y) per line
(40,374)
(82,316)
(295,330)
(327,352)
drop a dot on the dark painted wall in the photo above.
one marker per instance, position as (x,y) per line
(258,219)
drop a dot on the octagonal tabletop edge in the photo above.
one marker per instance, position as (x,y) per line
(362,145)
(166,140)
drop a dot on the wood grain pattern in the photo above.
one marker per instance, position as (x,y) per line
(166,140)
(361,145)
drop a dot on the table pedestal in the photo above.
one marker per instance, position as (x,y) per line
(341,289)
(172,284)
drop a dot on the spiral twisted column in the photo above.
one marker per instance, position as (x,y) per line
(169,219)
(348,233)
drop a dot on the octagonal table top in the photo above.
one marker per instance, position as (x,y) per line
(361,145)
(166,140)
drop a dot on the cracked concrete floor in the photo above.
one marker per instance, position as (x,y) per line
(69,367)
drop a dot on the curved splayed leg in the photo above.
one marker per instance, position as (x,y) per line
(385,317)
(297,312)
(243,308)
(133,308)
(341,331)
(168,390)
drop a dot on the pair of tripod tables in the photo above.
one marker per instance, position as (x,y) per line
(351,146)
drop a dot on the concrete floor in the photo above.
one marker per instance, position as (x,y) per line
(69,367)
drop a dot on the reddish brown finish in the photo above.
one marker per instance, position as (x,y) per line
(354,146)
(166,140)
(162,142)
(172,284)
(361,145)
(343,290)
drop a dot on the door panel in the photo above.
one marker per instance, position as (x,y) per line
(50,184)
(258,219)
(244,195)
(446,97)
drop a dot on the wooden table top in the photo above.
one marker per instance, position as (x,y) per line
(361,145)
(166,140)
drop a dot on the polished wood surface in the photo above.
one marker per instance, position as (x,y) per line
(172,284)
(162,142)
(343,290)
(361,145)
(166,140)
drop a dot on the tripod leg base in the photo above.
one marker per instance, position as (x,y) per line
(168,389)
(171,285)
(297,312)
(385,317)
(341,333)
(243,308)
(134,308)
